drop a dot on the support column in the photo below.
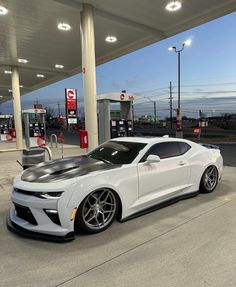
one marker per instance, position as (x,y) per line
(104,120)
(89,74)
(17,107)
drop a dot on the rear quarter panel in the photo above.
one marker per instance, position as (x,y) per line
(200,158)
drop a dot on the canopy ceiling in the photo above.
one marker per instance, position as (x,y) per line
(29,31)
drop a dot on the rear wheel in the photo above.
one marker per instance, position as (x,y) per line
(209,180)
(97,211)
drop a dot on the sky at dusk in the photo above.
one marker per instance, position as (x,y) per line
(208,70)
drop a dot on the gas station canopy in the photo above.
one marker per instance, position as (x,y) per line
(29,31)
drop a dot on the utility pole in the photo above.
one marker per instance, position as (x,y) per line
(154,108)
(132,108)
(155,112)
(171,98)
(59,108)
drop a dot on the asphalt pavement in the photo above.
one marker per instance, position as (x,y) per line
(228,151)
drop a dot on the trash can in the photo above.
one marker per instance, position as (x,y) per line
(32,156)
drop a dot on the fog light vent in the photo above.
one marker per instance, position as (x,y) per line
(53,215)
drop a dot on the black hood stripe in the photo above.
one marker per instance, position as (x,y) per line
(66,168)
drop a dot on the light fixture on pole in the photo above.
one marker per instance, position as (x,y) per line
(179,130)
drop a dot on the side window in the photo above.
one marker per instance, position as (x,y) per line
(184,147)
(164,150)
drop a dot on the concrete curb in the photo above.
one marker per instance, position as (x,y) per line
(9,150)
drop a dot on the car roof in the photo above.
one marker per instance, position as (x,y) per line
(148,140)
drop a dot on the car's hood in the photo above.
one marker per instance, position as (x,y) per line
(62,169)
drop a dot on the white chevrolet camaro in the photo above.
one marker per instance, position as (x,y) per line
(118,180)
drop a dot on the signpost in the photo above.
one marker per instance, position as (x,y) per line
(71,106)
(197,131)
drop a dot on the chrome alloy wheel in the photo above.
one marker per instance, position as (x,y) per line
(210,178)
(99,209)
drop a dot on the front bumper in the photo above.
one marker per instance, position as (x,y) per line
(12,226)
(32,221)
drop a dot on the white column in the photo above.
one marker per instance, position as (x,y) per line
(89,74)
(17,107)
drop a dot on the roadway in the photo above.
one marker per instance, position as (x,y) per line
(228,151)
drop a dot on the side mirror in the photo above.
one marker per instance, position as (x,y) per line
(153,158)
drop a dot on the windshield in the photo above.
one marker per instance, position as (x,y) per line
(117,152)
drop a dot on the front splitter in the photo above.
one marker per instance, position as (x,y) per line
(12,226)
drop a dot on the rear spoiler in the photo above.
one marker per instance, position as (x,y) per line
(210,146)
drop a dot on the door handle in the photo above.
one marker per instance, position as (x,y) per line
(182,163)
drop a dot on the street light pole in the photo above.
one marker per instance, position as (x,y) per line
(171,98)
(179,130)
(179,78)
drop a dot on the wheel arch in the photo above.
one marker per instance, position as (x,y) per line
(120,206)
(204,170)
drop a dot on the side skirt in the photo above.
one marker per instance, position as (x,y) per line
(160,205)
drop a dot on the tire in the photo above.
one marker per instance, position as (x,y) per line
(209,179)
(97,211)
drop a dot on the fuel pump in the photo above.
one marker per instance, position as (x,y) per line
(110,127)
(34,130)
(6,125)
(118,128)
(34,127)
(129,128)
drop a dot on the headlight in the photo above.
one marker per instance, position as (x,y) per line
(46,195)
(49,195)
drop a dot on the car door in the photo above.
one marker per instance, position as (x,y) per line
(166,178)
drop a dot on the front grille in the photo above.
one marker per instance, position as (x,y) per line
(24,212)
(27,192)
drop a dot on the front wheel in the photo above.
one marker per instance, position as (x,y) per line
(97,211)
(209,180)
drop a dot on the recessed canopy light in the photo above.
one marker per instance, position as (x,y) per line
(7,72)
(111,39)
(64,26)
(40,76)
(21,86)
(3,10)
(173,6)
(59,66)
(24,61)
